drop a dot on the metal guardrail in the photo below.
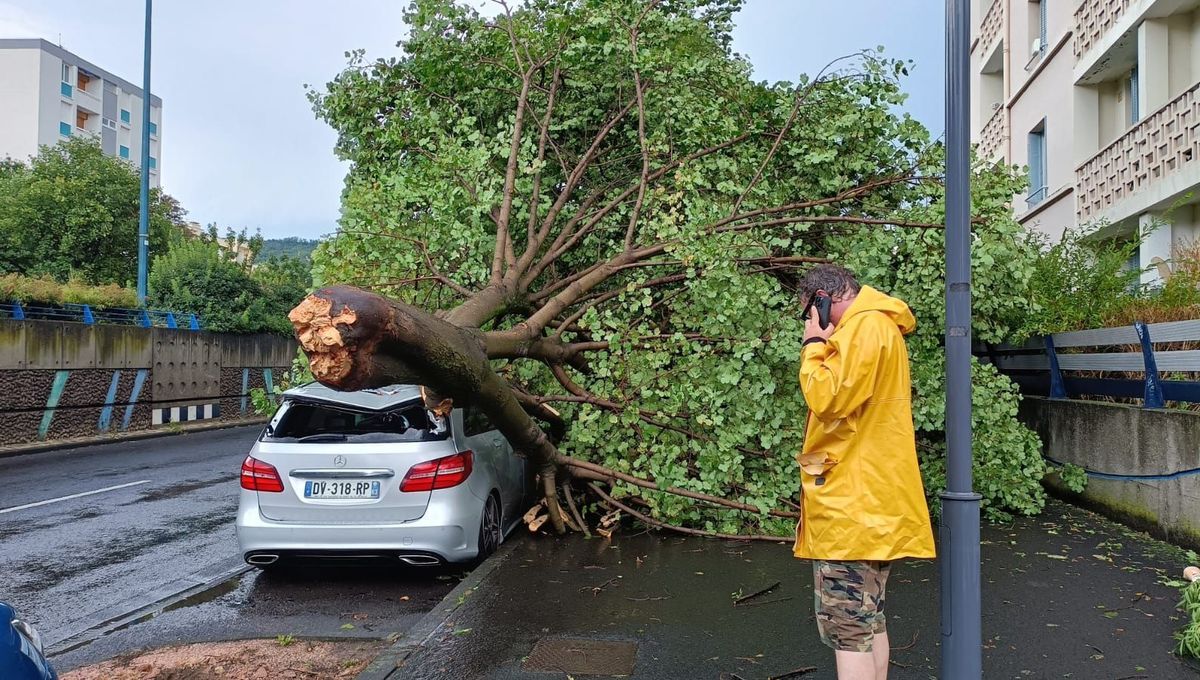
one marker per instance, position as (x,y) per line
(1039,367)
(79,313)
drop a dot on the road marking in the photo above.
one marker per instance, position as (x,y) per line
(74,495)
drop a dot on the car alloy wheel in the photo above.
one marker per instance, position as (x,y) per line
(490,532)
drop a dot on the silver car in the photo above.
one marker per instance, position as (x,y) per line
(374,474)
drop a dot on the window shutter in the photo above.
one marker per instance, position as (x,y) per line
(1042,13)
(1135,106)
(1037,166)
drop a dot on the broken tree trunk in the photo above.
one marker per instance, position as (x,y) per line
(357,340)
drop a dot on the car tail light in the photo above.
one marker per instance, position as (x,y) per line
(260,476)
(442,473)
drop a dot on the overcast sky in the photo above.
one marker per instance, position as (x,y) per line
(241,146)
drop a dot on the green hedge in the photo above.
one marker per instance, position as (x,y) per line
(48,291)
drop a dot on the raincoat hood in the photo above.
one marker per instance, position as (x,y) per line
(871,300)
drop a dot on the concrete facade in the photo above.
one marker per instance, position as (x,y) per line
(50,94)
(1101,100)
(1131,442)
(65,380)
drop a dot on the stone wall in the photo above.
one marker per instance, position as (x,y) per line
(63,380)
(1148,460)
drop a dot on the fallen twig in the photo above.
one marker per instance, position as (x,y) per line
(649,599)
(909,645)
(762,602)
(596,589)
(899,665)
(756,593)
(794,674)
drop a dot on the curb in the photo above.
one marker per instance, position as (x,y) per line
(388,663)
(14,450)
(122,614)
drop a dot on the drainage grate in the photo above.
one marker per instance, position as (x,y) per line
(582,657)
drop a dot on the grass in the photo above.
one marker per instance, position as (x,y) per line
(1189,636)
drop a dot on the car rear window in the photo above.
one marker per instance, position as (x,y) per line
(304,421)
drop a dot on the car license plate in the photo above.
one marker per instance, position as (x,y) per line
(336,488)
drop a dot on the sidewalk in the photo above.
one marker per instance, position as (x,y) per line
(1066,595)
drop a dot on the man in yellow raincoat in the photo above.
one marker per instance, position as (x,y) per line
(863,504)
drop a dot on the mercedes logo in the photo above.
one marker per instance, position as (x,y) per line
(339,461)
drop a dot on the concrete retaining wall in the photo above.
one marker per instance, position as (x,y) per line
(62,380)
(1128,441)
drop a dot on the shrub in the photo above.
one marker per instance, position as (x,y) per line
(45,290)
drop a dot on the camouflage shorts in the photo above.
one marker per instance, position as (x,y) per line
(849,602)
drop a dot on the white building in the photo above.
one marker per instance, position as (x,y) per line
(1101,99)
(49,94)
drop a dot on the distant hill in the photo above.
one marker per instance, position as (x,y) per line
(291,246)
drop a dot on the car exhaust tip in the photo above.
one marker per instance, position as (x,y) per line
(420,560)
(262,559)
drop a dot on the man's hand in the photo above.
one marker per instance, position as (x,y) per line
(812,327)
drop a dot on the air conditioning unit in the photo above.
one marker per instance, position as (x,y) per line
(1036,48)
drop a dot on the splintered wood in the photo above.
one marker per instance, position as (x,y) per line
(316,328)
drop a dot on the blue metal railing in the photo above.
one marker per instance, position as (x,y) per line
(1041,368)
(78,313)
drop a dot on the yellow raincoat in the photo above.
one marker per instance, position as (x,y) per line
(862,492)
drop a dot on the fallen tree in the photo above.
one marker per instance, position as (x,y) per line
(587,218)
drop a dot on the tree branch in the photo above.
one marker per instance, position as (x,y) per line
(612,503)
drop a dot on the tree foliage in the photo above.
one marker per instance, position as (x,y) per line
(205,275)
(597,198)
(73,212)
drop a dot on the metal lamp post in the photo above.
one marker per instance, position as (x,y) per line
(960,582)
(144,208)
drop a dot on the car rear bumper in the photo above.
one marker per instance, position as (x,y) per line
(451,537)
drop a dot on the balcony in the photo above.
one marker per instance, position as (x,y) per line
(992,27)
(1158,148)
(1093,19)
(995,133)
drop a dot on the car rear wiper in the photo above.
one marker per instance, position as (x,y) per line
(324,437)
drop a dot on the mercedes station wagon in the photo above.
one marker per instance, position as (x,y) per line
(374,474)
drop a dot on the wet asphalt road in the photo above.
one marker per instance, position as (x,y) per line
(73,563)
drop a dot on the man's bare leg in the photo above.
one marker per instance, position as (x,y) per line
(881,650)
(856,665)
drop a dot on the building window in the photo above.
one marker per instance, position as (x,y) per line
(82,80)
(1037,165)
(153,163)
(81,119)
(1135,108)
(65,88)
(125,116)
(64,129)
(1037,28)
(124,152)
(66,72)
(153,128)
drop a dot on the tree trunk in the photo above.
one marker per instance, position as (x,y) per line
(358,340)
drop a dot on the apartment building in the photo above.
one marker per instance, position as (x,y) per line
(1101,100)
(50,94)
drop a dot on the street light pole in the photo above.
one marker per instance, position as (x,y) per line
(960,583)
(144,210)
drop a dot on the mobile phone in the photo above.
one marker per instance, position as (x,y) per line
(823,303)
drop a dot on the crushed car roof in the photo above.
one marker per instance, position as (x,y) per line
(375,399)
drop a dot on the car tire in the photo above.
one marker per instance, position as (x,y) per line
(491,528)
